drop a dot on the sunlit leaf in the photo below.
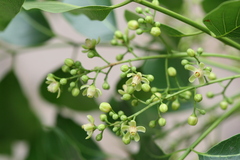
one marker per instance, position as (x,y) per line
(92,12)
(80,103)
(92,29)
(8,10)
(228,149)
(224,21)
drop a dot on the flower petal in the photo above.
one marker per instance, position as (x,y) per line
(132,123)
(190,67)
(136,137)
(124,128)
(138,87)
(201,80)
(130,74)
(127,136)
(84,93)
(192,78)
(90,119)
(141,129)
(206,72)
(89,133)
(84,86)
(201,65)
(129,81)
(145,80)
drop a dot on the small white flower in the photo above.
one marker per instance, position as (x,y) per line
(91,91)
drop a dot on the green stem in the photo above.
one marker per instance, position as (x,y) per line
(210,129)
(188,21)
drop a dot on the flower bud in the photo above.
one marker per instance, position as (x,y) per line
(149,19)
(99,137)
(126,97)
(191,52)
(123,117)
(101,127)
(126,140)
(91,54)
(73,72)
(103,117)
(63,81)
(224,105)
(156,96)
(139,10)
(141,20)
(152,124)
(106,86)
(75,92)
(119,57)
(115,116)
(198,98)
(105,107)
(133,25)
(155,31)
(139,31)
(114,42)
(72,84)
(85,78)
(163,108)
(212,76)
(134,102)
(192,120)
(118,34)
(150,77)
(124,68)
(175,105)
(184,62)
(65,68)
(157,24)
(199,51)
(162,122)
(210,94)
(53,87)
(172,71)
(68,62)
(146,87)
(155,2)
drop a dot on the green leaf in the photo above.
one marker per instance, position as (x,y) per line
(228,149)
(209,5)
(92,29)
(79,103)
(17,120)
(8,10)
(224,21)
(172,4)
(27,29)
(92,12)
(87,147)
(149,150)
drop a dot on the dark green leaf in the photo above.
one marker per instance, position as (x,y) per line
(8,10)
(209,5)
(17,120)
(53,144)
(87,147)
(149,150)
(27,29)
(228,149)
(92,29)
(92,12)
(172,4)
(80,103)
(224,21)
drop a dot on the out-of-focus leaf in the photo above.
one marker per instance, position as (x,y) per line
(8,10)
(80,103)
(209,5)
(224,21)
(17,121)
(27,29)
(92,29)
(172,4)
(92,12)
(87,147)
(228,149)
(149,150)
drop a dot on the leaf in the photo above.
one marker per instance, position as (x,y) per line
(92,12)
(8,10)
(228,149)
(87,147)
(224,21)
(173,5)
(92,29)
(17,120)
(80,103)
(209,5)
(149,150)
(27,29)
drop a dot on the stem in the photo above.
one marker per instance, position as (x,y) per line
(188,21)
(212,127)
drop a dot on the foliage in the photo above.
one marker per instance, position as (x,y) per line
(165,83)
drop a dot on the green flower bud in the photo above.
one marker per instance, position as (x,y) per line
(162,122)
(123,117)
(50,75)
(85,78)
(141,20)
(133,69)
(224,105)
(53,87)
(198,98)
(146,87)
(156,96)
(175,105)
(115,117)
(114,42)
(139,10)
(191,52)
(120,113)
(202,112)
(91,54)
(172,71)
(210,94)
(184,62)
(152,124)
(130,89)
(139,31)
(115,129)
(199,51)
(154,89)
(229,100)
(150,77)
(133,25)
(126,97)
(111,113)
(99,137)
(126,141)
(101,127)
(75,92)
(147,10)
(118,34)
(148,101)
(155,31)
(155,2)
(106,86)
(77,64)
(149,19)
(208,69)
(72,84)
(65,68)
(192,120)
(212,76)
(105,107)
(63,81)
(123,75)
(68,62)
(119,57)
(73,72)
(134,102)
(124,68)
(103,117)
(157,24)
(163,108)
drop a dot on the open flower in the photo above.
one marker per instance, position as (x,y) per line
(132,131)
(89,127)
(197,72)
(91,91)
(54,86)
(136,80)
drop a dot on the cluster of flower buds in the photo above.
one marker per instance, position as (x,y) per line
(90,47)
